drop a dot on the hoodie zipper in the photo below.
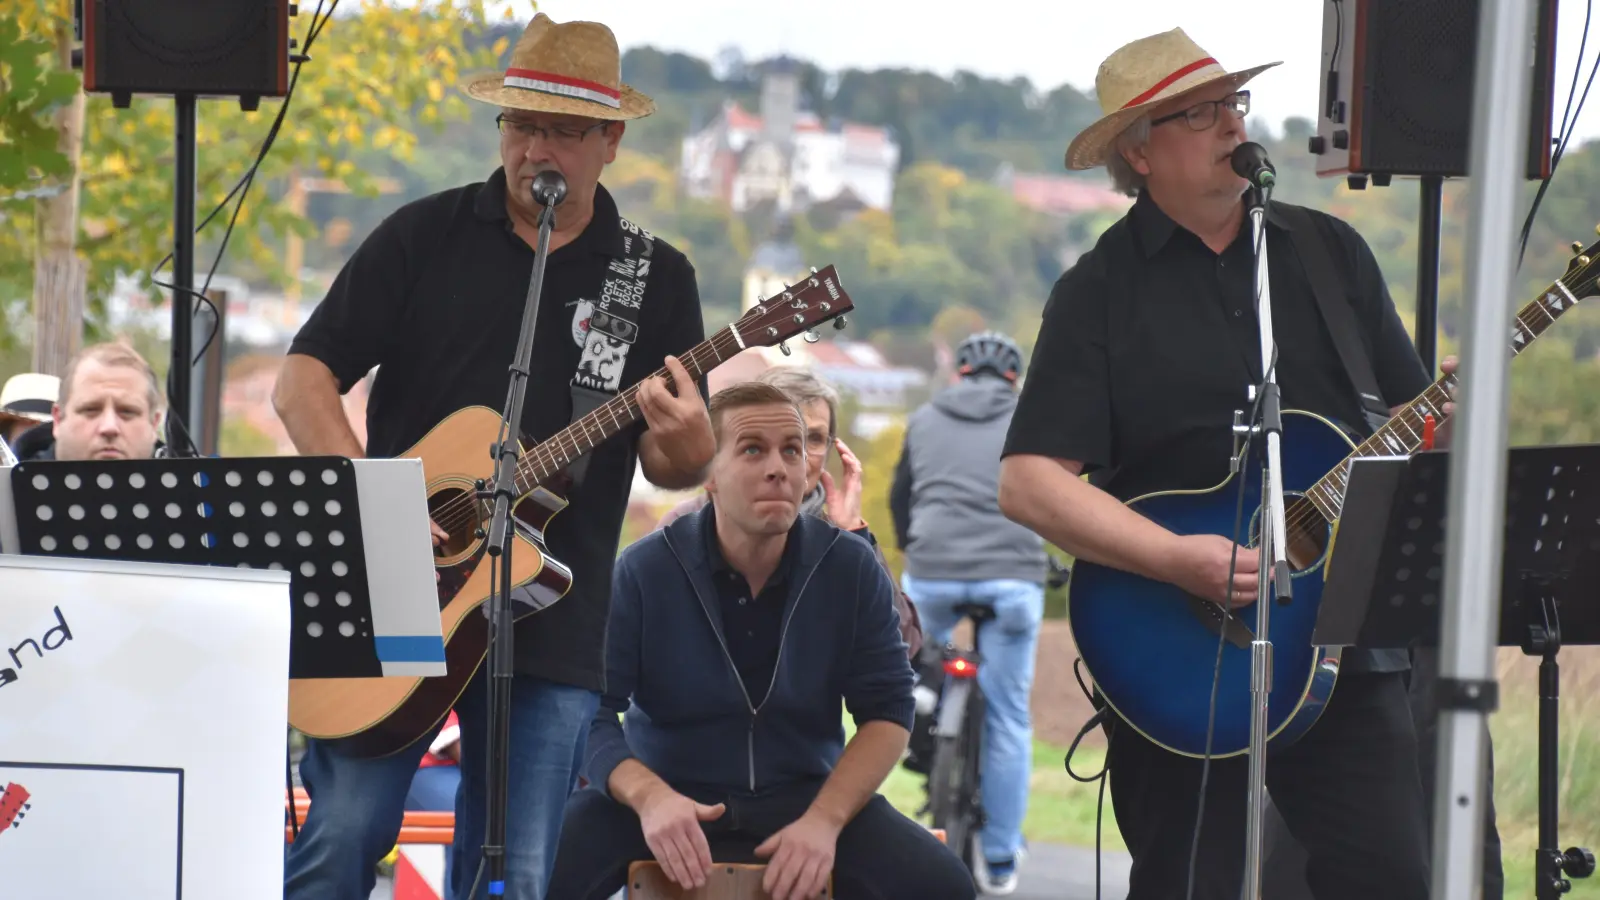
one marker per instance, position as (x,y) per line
(750,735)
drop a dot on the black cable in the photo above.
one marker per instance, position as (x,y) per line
(1569,124)
(494,581)
(288,788)
(241,189)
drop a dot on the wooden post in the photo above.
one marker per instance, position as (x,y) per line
(60,276)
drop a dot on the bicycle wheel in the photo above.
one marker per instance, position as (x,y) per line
(953,786)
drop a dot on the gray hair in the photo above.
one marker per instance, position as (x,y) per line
(1123,177)
(804,386)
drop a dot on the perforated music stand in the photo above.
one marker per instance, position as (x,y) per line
(300,514)
(1384,584)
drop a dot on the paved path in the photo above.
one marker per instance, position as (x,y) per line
(1056,872)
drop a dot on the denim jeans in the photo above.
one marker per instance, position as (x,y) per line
(434,789)
(357,804)
(1005,674)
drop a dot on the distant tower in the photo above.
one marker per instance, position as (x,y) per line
(780,100)
(775,264)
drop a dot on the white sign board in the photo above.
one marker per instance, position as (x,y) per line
(143,713)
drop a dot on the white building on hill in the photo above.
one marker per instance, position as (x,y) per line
(787,155)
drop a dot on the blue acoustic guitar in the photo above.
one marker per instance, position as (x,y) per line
(1151,647)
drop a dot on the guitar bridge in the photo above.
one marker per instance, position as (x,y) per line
(1220,621)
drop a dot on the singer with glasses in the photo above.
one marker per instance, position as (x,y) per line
(434,299)
(1147,346)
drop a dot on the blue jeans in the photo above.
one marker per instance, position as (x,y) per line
(434,789)
(357,804)
(1005,674)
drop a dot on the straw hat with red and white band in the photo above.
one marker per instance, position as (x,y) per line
(1140,75)
(572,68)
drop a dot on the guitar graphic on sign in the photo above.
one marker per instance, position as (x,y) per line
(13,806)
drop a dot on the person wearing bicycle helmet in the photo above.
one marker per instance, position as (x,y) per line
(960,549)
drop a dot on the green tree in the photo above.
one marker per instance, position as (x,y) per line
(30,90)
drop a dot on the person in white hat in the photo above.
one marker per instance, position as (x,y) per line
(25,403)
(1147,346)
(434,298)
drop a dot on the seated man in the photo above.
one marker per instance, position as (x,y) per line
(730,668)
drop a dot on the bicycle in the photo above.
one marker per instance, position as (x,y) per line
(951,711)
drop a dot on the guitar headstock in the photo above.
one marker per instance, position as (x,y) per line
(798,308)
(1583,272)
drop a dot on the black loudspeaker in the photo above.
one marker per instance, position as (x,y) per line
(204,48)
(1397,86)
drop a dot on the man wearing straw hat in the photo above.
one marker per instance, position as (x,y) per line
(1146,347)
(434,298)
(25,404)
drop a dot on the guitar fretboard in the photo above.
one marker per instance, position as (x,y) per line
(552,455)
(1402,434)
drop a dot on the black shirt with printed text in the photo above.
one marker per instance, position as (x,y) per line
(1149,343)
(434,298)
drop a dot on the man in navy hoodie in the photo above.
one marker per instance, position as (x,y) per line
(736,635)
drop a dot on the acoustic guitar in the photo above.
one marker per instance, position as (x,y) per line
(1151,647)
(381,716)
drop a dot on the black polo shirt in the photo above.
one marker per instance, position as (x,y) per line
(1150,341)
(752,625)
(434,297)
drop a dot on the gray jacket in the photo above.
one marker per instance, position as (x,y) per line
(946,493)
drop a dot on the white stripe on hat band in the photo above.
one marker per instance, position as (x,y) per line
(565,90)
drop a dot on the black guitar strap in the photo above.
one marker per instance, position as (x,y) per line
(613,330)
(1326,285)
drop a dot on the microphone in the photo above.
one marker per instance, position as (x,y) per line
(549,188)
(1250,163)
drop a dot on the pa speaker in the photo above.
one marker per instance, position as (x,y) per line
(1397,88)
(204,48)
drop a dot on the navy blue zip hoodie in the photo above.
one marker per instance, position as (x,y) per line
(687,716)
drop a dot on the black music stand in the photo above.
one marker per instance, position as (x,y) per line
(1384,584)
(300,514)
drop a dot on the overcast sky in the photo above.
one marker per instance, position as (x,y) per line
(1043,40)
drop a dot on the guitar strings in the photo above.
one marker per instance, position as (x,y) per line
(544,459)
(460,510)
(1305,514)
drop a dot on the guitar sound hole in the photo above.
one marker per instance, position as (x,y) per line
(1308,534)
(456,511)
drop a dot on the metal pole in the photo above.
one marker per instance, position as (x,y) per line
(1428,226)
(180,375)
(1478,449)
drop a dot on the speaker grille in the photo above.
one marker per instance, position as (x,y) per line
(203,47)
(1418,81)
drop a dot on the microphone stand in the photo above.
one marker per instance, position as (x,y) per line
(505,492)
(1273,542)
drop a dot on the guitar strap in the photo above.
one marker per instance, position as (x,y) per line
(613,330)
(1327,286)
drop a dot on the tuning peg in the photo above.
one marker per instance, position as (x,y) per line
(1577,247)
(813,270)
(784,346)
(1597,229)
(840,322)
(812,337)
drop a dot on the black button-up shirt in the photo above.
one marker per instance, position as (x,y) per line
(752,624)
(1150,341)
(434,297)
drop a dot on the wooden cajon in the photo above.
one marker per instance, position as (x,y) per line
(726,881)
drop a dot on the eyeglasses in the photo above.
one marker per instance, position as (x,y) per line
(1203,115)
(560,135)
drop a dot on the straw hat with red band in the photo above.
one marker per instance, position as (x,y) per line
(573,68)
(1140,75)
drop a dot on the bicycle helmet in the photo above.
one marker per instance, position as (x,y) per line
(989,350)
